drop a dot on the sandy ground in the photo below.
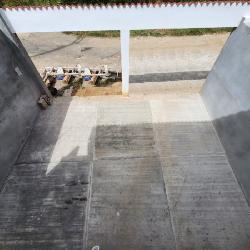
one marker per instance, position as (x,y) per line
(59,49)
(174,54)
(168,64)
(147,54)
(114,89)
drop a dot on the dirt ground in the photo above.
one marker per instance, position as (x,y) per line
(148,56)
(114,89)
(59,49)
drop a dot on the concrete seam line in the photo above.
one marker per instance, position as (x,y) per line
(92,146)
(164,183)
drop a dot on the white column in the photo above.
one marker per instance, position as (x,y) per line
(124,36)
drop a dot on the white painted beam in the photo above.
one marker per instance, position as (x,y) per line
(167,16)
(124,36)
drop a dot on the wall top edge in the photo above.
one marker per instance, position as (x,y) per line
(128,5)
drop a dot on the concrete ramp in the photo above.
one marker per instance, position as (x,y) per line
(226,94)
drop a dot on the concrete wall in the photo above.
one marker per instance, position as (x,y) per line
(157,16)
(226,94)
(20,88)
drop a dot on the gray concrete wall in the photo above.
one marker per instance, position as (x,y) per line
(226,94)
(20,88)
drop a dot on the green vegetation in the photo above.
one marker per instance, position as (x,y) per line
(53,2)
(107,33)
(156,33)
(5,3)
(179,32)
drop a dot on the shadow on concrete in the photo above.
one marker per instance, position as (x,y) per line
(233,131)
(45,210)
(20,88)
(129,204)
(44,135)
(199,182)
(41,209)
(173,76)
(76,41)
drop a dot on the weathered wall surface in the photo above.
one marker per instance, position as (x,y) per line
(20,88)
(226,94)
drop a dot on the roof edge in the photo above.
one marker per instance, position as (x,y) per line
(127,5)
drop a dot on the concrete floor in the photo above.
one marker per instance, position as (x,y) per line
(143,172)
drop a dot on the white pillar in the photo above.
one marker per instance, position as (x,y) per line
(124,36)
